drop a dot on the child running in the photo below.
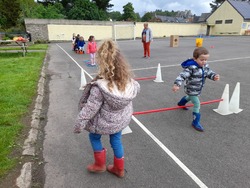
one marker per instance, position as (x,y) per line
(109,108)
(195,72)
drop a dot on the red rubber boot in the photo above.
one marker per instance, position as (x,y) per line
(100,162)
(118,167)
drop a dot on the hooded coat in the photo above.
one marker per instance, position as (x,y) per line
(194,77)
(107,112)
(91,48)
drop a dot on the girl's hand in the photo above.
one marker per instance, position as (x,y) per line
(77,130)
(216,77)
(175,88)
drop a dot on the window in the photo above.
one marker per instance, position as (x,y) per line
(218,22)
(228,21)
(244,26)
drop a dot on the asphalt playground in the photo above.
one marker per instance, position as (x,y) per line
(162,150)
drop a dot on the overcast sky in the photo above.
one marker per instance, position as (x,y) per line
(141,6)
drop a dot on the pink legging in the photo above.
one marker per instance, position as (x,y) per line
(92,58)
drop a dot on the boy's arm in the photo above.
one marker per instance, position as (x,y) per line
(216,77)
(182,76)
(212,75)
(175,88)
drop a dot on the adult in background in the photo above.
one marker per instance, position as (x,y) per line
(28,34)
(147,37)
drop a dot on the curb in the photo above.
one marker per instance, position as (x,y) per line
(25,178)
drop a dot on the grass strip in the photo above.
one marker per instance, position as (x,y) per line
(18,86)
(29,47)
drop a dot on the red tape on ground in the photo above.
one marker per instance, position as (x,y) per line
(175,107)
(146,78)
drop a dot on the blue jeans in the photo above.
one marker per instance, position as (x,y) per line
(114,139)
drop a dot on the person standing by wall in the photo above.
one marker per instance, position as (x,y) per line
(28,34)
(147,37)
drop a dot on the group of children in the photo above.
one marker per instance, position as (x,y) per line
(78,46)
(108,108)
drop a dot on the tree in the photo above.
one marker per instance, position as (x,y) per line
(128,12)
(47,2)
(86,10)
(9,12)
(146,17)
(26,8)
(103,4)
(166,13)
(67,5)
(138,17)
(3,21)
(115,16)
(45,12)
(215,4)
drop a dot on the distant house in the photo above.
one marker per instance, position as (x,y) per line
(230,18)
(170,19)
(203,17)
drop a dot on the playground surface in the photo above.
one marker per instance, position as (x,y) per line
(163,150)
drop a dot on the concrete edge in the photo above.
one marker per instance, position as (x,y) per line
(25,178)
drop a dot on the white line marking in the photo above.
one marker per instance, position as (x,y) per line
(147,68)
(75,61)
(191,174)
(237,58)
(176,65)
(183,166)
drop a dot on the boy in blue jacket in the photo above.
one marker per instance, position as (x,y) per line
(195,71)
(80,44)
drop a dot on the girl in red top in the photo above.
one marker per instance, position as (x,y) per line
(91,49)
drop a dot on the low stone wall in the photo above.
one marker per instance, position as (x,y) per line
(62,30)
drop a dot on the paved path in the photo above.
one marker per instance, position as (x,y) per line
(163,150)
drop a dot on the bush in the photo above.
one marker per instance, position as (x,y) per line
(41,42)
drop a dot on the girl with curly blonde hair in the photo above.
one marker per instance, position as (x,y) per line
(109,108)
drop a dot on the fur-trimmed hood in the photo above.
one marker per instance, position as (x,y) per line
(117,99)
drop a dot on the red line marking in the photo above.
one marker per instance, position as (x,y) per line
(146,78)
(174,107)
